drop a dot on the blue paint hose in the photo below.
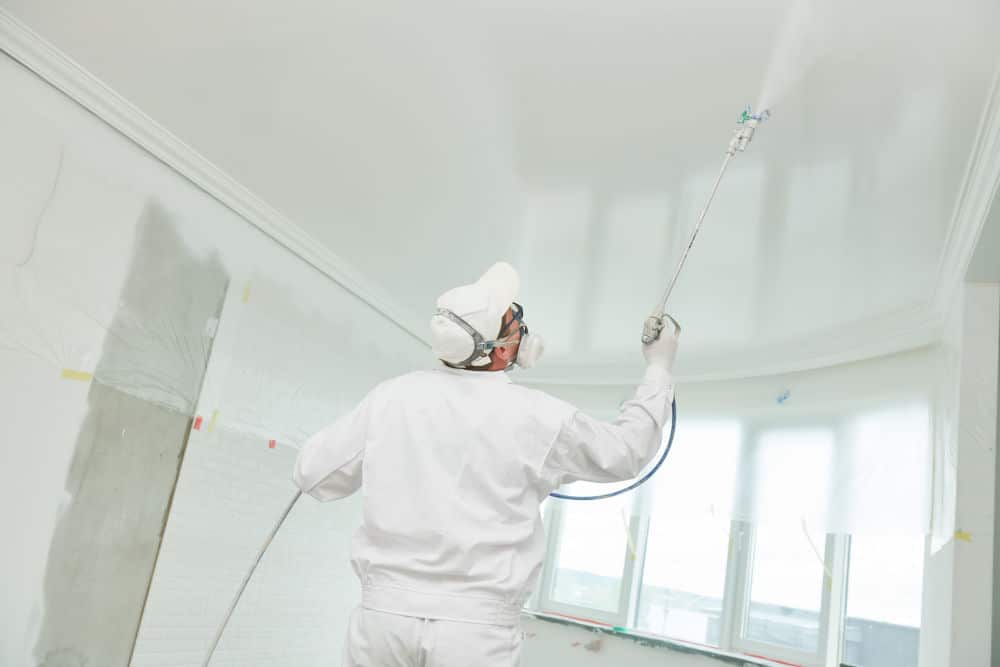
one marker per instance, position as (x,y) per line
(644,478)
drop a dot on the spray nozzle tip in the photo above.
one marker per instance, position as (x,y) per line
(749,115)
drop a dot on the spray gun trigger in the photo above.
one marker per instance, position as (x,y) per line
(654,326)
(651,329)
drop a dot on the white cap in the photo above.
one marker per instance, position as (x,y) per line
(482,304)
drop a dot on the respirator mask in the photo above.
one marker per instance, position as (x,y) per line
(529,351)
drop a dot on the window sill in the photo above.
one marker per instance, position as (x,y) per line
(657,641)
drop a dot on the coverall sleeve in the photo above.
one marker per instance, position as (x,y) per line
(329,464)
(592,450)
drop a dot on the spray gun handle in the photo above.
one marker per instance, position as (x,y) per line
(654,326)
(742,136)
(651,329)
(745,128)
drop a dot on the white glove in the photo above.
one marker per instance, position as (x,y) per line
(662,351)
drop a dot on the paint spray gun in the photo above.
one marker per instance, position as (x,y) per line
(655,323)
(742,135)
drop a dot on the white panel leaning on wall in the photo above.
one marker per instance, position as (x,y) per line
(143,322)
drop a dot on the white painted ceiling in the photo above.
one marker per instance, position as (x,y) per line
(577,139)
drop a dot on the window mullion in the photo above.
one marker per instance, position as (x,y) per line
(835,598)
(737,580)
(639,534)
(734,602)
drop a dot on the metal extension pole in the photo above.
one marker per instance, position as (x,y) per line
(246,579)
(741,138)
(694,234)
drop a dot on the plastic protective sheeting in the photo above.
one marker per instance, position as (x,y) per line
(292,366)
(57,297)
(945,430)
(142,324)
(846,449)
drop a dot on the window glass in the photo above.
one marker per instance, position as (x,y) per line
(786,588)
(684,574)
(884,590)
(593,546)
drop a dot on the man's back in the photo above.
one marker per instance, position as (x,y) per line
(452,479)
(454,465)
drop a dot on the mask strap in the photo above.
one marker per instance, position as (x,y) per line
(481,346)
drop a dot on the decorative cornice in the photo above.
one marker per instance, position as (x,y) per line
(55,67)
(899,331)
(972,205)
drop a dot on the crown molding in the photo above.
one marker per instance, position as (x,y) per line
(898,331)
(60,71)
(972,205)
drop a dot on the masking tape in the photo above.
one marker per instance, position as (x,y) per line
(197,423)
(271,444)
(211,422)
(82,376)
(962,536)
(246,292)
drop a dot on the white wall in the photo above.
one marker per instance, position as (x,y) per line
(995,643)
(972,583)
(292,350)
(957,599)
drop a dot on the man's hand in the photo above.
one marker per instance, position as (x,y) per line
(662,351)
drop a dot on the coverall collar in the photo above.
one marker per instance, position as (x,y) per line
(496,376)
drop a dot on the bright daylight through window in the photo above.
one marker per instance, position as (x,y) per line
(728,546)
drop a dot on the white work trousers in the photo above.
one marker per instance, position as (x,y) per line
(381,639)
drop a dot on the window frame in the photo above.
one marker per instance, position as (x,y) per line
(829,645)
(736,591)
(624,615)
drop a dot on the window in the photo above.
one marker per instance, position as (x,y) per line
(786,590)
(583,576)
(684,570)
(883,601)
(718,550)
(684,579)
(787,571)
(588,573)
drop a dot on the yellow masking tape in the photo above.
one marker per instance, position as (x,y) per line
(246,292)
(962,536)
(82,376)
(211,422)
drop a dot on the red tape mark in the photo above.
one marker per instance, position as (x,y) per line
(271,444)
(197,423)
(780,662)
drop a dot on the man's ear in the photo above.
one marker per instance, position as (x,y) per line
(501,353)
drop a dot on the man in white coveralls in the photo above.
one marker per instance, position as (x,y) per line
(454,463)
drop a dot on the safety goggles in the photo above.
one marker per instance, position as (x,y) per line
(517,310)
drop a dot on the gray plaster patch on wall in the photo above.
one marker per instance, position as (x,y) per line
(128,451)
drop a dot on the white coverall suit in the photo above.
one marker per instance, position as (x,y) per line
(454,465)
